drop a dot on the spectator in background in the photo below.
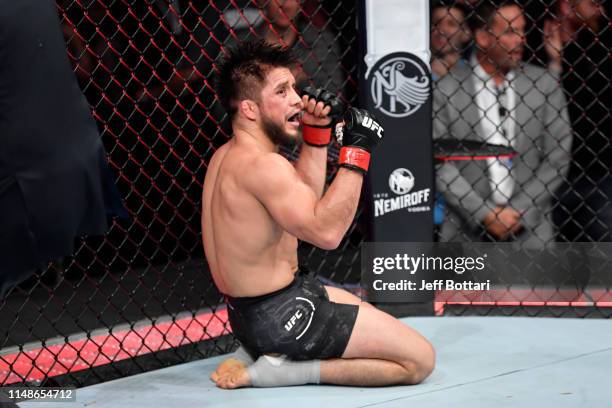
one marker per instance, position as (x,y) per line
(499,100)
(579,40)
(283,22)
(198,29)
(277,21)
(568,19)
(449,36)
(189,30)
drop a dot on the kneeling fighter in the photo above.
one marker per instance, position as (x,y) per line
(256,205)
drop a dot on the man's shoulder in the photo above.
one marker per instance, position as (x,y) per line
(455,79)
(456,76)
(218,155)
(266,166)
(536,75)
(270,160)
(250,168)
(246,154)
(267,174)
(532,71)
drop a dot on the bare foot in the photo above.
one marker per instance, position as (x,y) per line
(226,366)
(234,378)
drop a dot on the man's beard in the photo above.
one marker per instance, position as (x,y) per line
(277,134)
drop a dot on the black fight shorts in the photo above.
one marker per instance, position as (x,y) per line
(298,321)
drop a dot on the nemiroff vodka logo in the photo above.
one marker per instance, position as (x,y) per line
(401,183)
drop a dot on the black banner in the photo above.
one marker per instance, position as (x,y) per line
(397,88)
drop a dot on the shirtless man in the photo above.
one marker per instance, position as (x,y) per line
(256,205)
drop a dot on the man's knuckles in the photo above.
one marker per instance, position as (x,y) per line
(326,97)
(320,109)
(312,92)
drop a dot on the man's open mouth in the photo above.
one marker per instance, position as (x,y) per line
(295,119)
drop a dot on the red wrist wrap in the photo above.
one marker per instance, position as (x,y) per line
(354,157)
(315,136)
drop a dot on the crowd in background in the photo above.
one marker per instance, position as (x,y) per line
(559,184)
(148,68)
(148,71)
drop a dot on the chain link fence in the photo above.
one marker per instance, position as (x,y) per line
(142,297)
(533,77)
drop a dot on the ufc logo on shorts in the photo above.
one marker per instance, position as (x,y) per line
(370,124)
(301,312)
(291,322)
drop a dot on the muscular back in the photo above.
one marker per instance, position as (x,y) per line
(249,254)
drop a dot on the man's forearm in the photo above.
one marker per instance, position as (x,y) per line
(336,210)
(311,166)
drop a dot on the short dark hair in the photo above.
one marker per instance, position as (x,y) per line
(485,13)
(450,4)
(243,70)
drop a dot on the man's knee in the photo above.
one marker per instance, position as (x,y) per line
(419,368)
(427,364)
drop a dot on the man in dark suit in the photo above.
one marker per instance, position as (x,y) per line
(54,180)
(498,99)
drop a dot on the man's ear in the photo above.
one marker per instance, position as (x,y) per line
(249,109)
(483,39)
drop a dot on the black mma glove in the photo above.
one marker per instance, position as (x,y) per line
(321,135)
(358,137)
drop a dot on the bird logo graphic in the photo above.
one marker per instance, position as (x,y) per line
(400,86)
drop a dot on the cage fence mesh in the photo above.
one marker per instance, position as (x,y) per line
(142,297)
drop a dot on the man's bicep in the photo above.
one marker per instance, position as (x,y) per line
(289,201)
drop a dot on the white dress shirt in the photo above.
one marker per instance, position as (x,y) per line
(496,129)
